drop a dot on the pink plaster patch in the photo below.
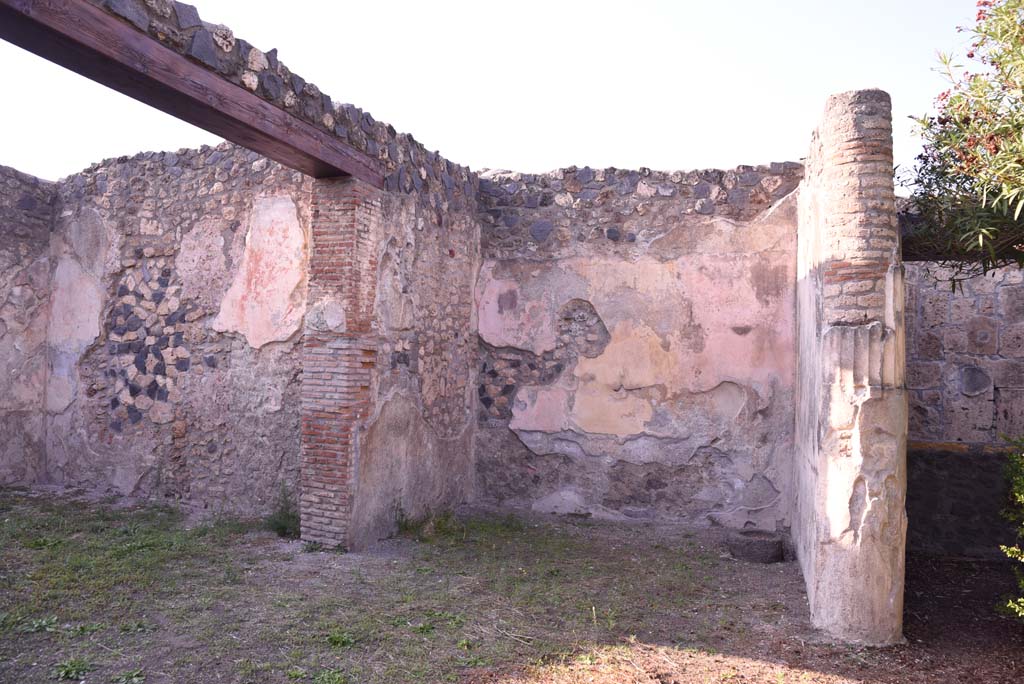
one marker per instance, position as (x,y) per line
(508,319)
(267,297)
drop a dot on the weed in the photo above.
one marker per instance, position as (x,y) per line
(85,629)
(9,621)
(47,624)
(39,543)
(340,639)
(130,677)
(284,519)
(450,619)
(312,547)
(75,668)
(137,626)
(330,677)
(294,673)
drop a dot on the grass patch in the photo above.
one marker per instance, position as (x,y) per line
(84,584)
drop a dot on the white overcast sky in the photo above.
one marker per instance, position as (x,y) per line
(531,85)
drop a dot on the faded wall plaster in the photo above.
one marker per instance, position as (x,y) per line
(149,389)
(605,359)
(267,298)
(415,449)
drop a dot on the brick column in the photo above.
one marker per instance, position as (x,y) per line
(339,355)
(849,522)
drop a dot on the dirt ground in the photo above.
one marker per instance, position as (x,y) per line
(101,592)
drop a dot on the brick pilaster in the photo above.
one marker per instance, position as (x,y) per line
(337,367)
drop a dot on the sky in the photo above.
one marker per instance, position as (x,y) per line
(536,85)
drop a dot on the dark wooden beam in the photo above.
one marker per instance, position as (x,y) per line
(87,40)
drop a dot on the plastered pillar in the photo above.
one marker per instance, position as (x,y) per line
(850,468)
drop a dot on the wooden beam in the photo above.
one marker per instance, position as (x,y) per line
(89,41)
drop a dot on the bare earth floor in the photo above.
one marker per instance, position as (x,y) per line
(99,592)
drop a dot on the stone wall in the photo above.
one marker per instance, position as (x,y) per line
(26,213)
(965,356)
(637,343)
(965,380)
(177,291)
(850,466)
(389,348)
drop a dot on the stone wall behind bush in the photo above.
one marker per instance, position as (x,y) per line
(965,356)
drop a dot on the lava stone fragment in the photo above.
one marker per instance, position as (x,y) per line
(136,346)
(172,318)
(158,296)
(613,234)
(182,364)
(134,390)
(507,390)
(140,362)
(541,230)
(163,280)
(203,49)
(270,85)
(152,389)
(211,448)
(481,391)
(119,330)
(162,341)
(122,290)
(486,401)
(188,16)
(115,425)
(160,369)
(114,403)
(134,323)
(178,339)
(210,361)
(161,394)
(165,272)
(130,11)
(134,415)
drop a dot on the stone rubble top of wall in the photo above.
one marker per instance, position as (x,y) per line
(548,215)
(409,167)
(739,193)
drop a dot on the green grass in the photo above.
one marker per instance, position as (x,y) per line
(86,585)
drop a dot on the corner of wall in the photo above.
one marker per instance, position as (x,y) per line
(850,467)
